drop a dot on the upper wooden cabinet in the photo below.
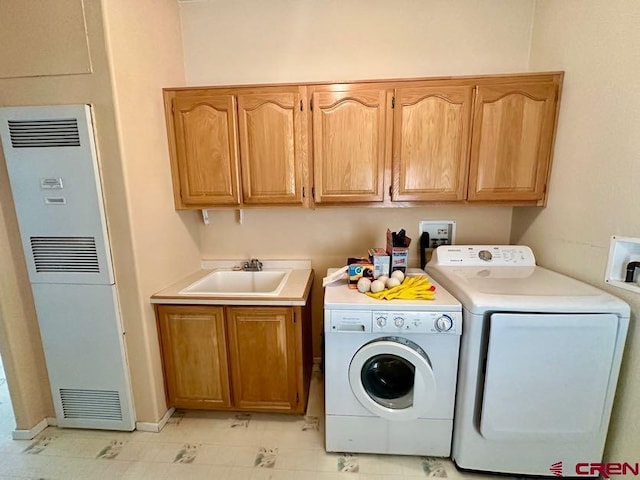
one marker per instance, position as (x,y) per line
(206,150)
(237,146)
(271,148)
(384,143)
(513,129)
(430,142)
(350,143)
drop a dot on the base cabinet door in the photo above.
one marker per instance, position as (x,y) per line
(236,358)
(262,353)
(194,351)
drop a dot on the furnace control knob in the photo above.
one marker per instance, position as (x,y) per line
(444,323)
(381,321)
(398,321)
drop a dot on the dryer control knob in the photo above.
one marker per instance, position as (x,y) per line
(399,321)
(444,323)
(485,255)
(381,321)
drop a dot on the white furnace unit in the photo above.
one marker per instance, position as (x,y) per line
(53,170)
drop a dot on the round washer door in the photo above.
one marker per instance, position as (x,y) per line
(392,378)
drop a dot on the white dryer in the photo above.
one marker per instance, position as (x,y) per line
(390,372)
(539,362)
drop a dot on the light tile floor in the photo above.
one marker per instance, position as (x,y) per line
(210,445)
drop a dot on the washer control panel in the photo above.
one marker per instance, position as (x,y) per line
(393,322)
(484,255)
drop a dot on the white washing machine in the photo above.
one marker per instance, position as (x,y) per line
(539,362)
(390,372)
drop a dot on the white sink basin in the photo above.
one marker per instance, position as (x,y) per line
(239,283)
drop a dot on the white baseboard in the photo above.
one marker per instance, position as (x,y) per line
(33,431)
(155,427)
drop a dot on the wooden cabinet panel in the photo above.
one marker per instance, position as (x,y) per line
(206,149)
(350,148)
(271,147)
(513,130)
(194,353)
(236,358)
(259,145)
(262,351)
(431,142)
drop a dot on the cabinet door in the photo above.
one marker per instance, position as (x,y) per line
(511,142)
(263,359)
(350,144)
(271,147)
(431,143)
(206,149)
(194,354)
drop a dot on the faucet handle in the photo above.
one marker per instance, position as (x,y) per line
(256,264)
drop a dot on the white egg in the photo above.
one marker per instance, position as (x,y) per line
(383,278)
(398,274)
(392,282)
(377,286)
(364,284)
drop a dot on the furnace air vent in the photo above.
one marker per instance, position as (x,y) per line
(44,133)
(65,254)
(91,404)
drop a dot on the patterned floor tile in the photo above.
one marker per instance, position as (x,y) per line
(434,467)
(186,454)
(111,451)
(348,462)
(266,458)
(197,445)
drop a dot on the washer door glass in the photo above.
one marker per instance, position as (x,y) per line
(392,378)
(389,380)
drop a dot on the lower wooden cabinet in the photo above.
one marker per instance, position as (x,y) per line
(236,358)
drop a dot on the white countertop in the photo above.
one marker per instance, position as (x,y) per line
(294,292)
(338,295)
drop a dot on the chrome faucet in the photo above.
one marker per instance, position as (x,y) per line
(253,265)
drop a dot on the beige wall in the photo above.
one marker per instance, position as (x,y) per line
(145,54)
(43,48)
(307,40)
(244,41)
(594,184)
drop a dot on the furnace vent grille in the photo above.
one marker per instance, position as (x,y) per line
(91,404)
(44,133)
(65,254)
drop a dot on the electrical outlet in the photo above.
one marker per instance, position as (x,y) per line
(441,232)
